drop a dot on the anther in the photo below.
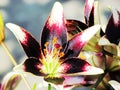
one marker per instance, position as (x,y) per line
(54,40)
(45,51)
(61,54)
(46,44)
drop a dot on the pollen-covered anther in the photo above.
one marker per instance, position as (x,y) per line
(61,54)
(46,44)
(45,51)
(54,40)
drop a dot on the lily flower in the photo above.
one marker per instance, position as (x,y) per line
(74,26)
(1,29)
(55,57)
(112,31)
(110,42)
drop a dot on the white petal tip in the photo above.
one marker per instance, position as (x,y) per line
(57,8)
(12,26)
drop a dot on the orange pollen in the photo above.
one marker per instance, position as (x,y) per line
(45,51)
(54,41)
(61,54)
(46,44)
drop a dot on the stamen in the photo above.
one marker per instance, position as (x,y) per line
(46,44)
(51,60)
(45,51)
(61,54)
(54,41)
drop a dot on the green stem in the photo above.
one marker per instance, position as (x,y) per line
(49,87)
(14,63)
(99,80)
(97,13)
(9,54)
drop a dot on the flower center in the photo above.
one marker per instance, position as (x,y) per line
(51,61)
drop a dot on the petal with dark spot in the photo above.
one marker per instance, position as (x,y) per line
(79,40)
(77,66)
(89,12)
(74,65)
(33,66)
(54,27)
(113,28)
(28,42)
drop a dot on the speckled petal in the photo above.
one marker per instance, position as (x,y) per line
(28,42)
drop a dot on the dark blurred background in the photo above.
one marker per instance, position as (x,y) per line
(32,14)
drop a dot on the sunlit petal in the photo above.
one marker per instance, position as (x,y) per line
(79,40)
(28,42)
(115,84)
(55,27)
(76,80)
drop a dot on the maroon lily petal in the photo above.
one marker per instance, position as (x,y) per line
(89,12)
(113,28)
(77,66)
(115,75)
(54,27)
(33,65)
(79,40)
(74,26)
(28,42)
(74,65)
